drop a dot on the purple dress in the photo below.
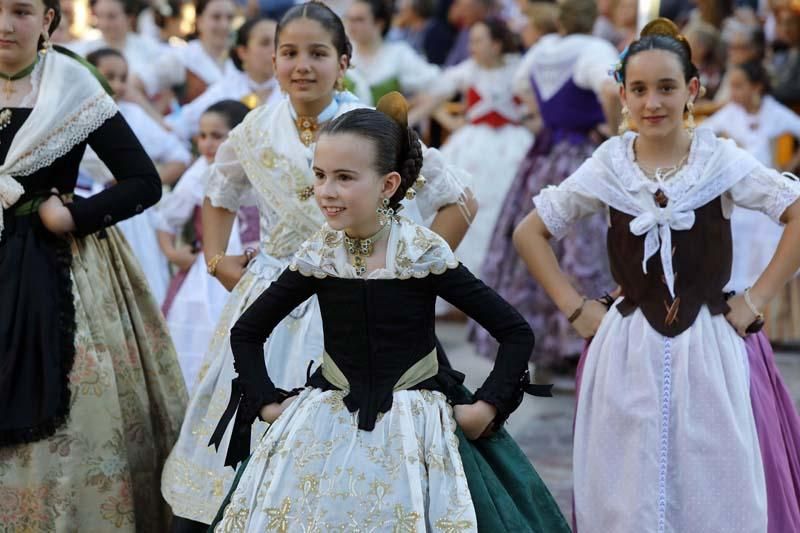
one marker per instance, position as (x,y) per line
(570,116)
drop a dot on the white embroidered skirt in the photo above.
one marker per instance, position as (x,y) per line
(314,470)
(195,480)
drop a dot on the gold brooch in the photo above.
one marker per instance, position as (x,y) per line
(305,193)
(306,126)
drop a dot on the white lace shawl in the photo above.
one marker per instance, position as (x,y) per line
(412,251)
(716,167)
(70,105)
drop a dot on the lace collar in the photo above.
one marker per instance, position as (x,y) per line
(412,251)
(623,159)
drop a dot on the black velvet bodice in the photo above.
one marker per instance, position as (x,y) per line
(375,330)
(138,186)
(37,314)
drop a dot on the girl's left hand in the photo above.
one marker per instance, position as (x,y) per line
(55,216)
(475,419)
(740,316)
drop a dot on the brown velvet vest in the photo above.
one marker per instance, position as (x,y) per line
(701,260)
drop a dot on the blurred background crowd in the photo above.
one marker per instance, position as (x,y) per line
(467,68)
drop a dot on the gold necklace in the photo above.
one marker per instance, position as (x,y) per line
(361,249)
(307,126)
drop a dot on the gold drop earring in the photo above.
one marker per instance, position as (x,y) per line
(625,125)
(690,125)
(46,44)
(385,213)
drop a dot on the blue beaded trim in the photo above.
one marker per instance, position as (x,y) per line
(666,397)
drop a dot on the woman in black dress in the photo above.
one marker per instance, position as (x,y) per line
(91,396)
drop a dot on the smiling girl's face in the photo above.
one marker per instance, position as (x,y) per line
(347,188)
(307,64)
(656,92)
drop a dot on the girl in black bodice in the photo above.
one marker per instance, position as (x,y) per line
(91,395)
(381,436)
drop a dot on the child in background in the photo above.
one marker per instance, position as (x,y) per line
(194,299)
(493,115)
(170,156)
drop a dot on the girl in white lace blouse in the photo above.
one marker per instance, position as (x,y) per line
(667,438)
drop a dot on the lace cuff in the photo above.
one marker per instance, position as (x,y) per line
(555,221)
(445,184)
(768,191)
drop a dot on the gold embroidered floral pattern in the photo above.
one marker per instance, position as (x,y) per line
(339,478)
(454,526)
(406,521)
(235,519)
(278,517)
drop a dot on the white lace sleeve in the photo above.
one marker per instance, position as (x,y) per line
(445,184)
(560,206)
(591,69)
(227,184)
(766,190)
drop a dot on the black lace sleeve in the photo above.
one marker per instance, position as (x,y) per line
(509,379)
(252,388)
(138,185)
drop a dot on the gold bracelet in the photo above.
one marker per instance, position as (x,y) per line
(749,302)
(212,265)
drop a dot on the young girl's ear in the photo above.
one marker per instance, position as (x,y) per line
(391,182)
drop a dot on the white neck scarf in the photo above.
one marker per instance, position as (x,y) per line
(614,186)
(69,106)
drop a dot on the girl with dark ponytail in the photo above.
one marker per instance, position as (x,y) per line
(677,374)
(379,391)
(267,159)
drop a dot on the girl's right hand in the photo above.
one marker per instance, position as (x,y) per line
(231,269)
(590,318)
(270,412)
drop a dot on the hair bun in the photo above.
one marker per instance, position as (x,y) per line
(395,106)
(664,26)
(661,26)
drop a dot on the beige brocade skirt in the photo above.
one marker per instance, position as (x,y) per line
(101,471)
